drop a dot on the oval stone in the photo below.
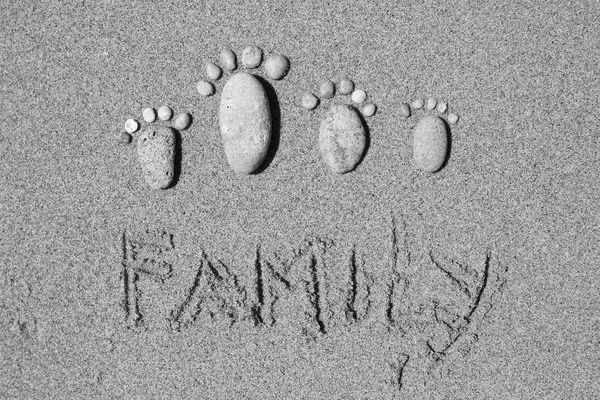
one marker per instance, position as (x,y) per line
(228,59)
(245,122)
(430,143)
(342,138)
(405,110)
(251,57)
(346,86)
(183,121)
(276,67)
(156,153)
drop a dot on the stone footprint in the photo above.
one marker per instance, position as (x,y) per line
(343,136)
(245,118)
(157,146)
(431,136)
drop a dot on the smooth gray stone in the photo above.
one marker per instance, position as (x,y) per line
(430,143)
(228,59)
(276,67)
(245,122)
(342,138)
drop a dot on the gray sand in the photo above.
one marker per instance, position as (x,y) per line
(480,281)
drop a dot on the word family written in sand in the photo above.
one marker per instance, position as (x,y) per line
(429,305)
(319,287)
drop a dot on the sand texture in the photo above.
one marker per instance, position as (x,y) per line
(478,281)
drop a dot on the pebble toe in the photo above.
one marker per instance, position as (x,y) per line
(276,67)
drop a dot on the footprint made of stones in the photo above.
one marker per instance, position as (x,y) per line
(342,134)
(156,146)
(244,111)
(431,135)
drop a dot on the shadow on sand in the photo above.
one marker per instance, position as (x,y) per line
(275,125)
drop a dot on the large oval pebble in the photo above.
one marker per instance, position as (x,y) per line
(245,122)
(156,153)
(430,143)
(342,138)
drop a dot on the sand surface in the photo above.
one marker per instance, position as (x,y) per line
(479,281)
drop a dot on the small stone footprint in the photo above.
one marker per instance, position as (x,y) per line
(244,112)
(431,137)
(342,134)
(156,146)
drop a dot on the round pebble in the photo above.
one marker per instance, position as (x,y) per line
(369,110)
(205,88)
(131,125)
(326,90)
(276,67)
(405,110)
(418,104)
(165,113)
(149,114)
(358,96)
(442,107)
(453,118)
(228,59)
(123,137)
(251,57)
(213,72)
(346,86)
(182,121)
(431,103)
(309,101)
